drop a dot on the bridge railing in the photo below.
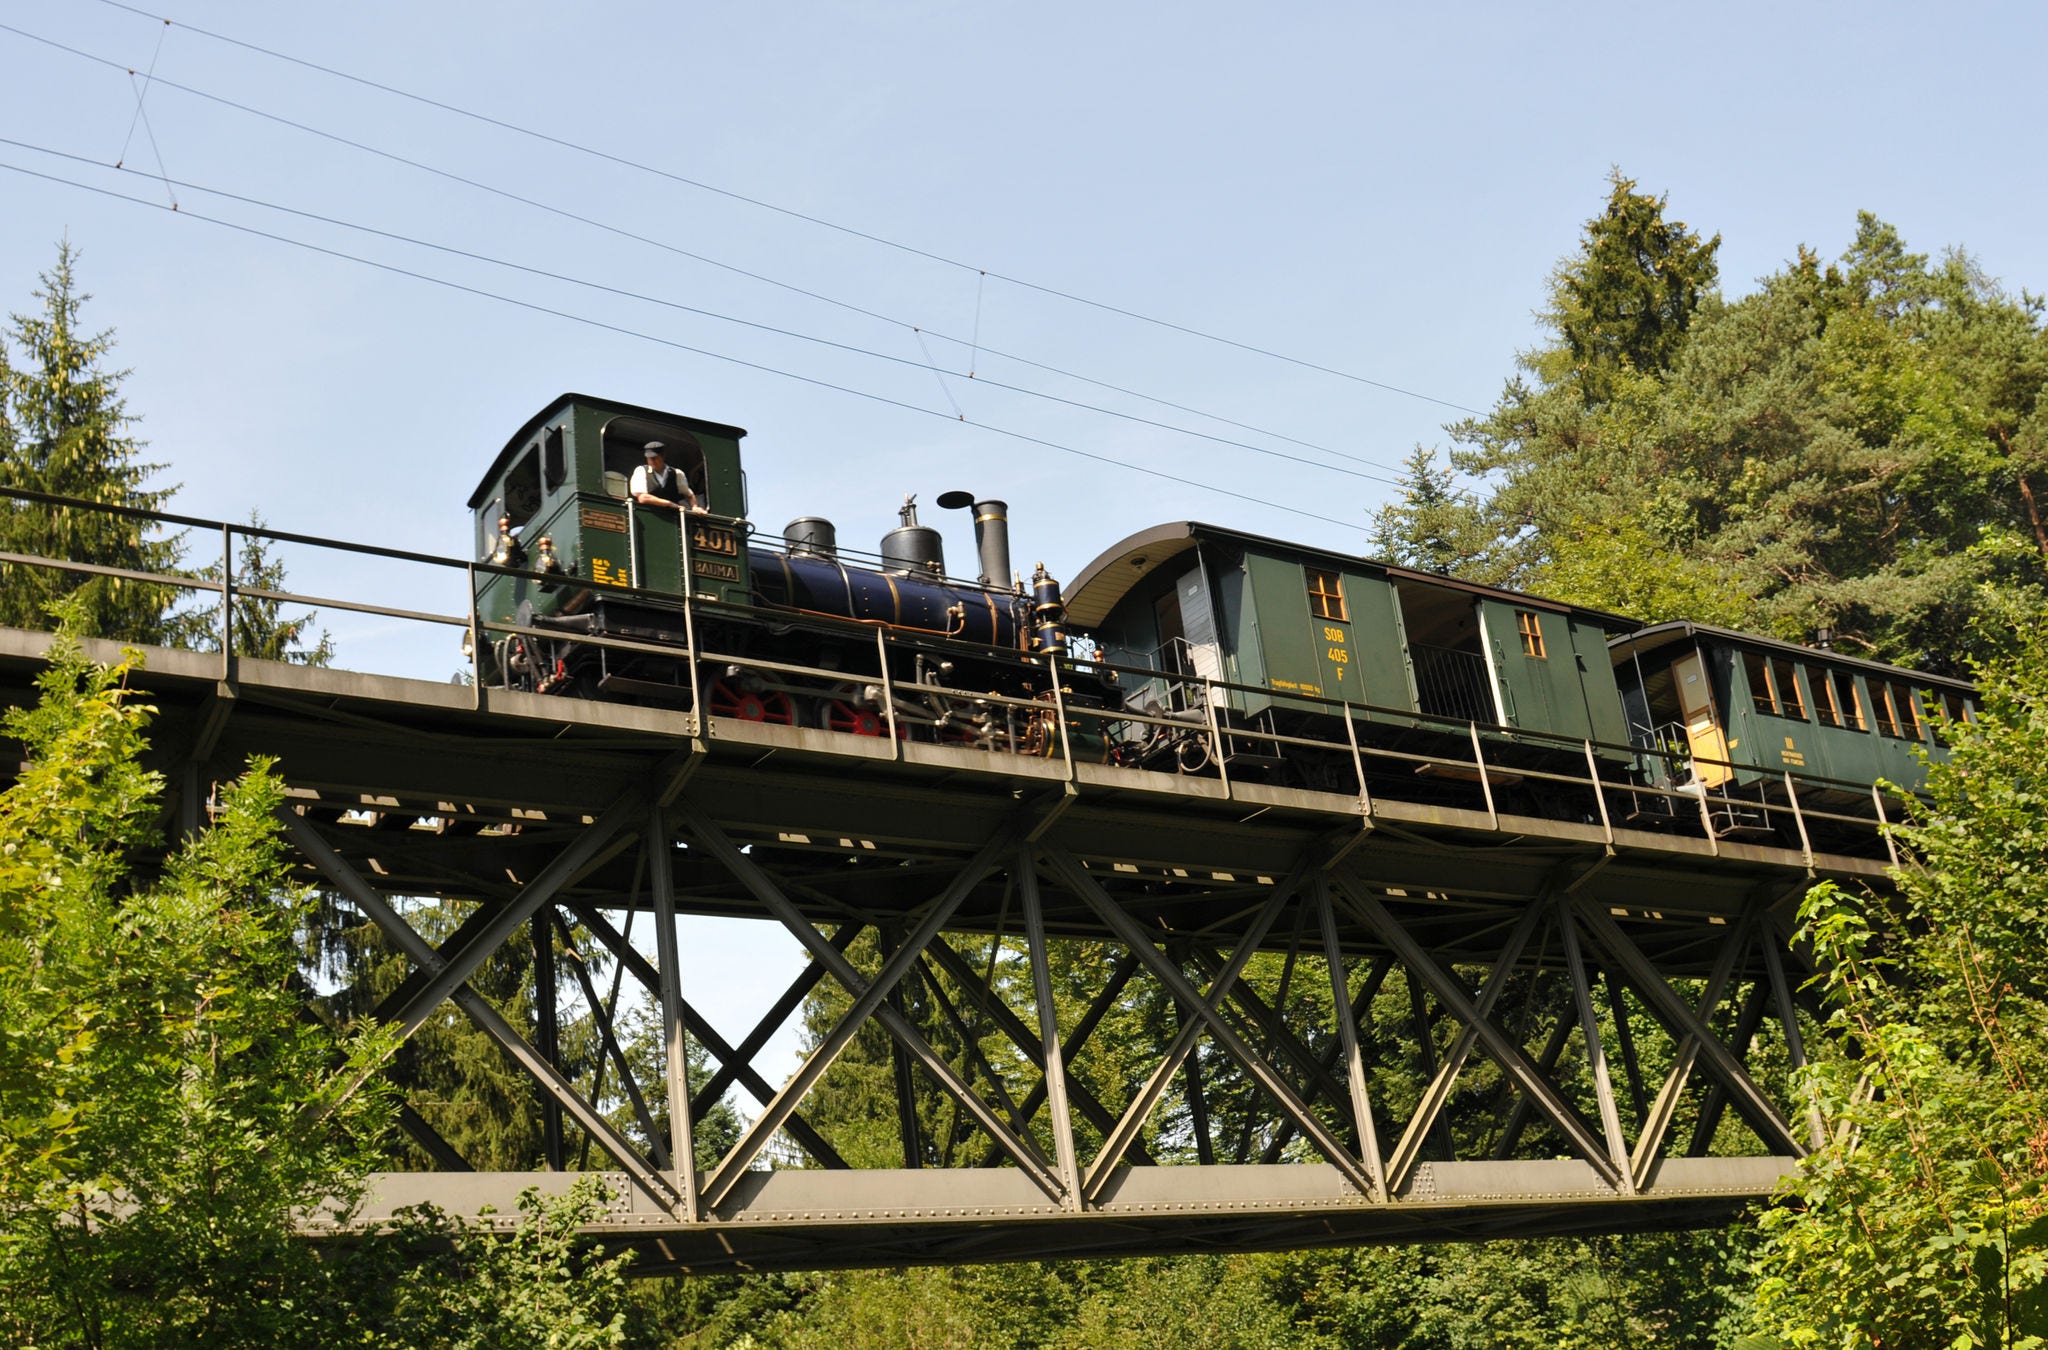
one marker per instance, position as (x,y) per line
(1432,756)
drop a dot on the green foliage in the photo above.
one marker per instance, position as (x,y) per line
(1625,302)
(435,1282)
(1621,567)
(260,627)
(63,430)
(1435,526)
(163,1107)
(1855,446)
(1923,1221)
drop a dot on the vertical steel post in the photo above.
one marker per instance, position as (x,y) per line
(1215,731)
(675,1051)
(1596,1053)
(1485,784)
(1357,765)
(227,603)
(888,692)
(1792,796)
(1059,711)
(476,642)
(1600,796)
(1788,1019)
(1055,1062)
(1884,824)
(702,723)
(1347,1037)
(547,1031)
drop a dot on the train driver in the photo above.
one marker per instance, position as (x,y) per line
(656,483)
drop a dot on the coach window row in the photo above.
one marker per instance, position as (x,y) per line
(1893,706)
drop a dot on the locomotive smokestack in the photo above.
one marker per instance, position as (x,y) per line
(991,534)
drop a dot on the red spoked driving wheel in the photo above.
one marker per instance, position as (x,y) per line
(849,720)
(728,700)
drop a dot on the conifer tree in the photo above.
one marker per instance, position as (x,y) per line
(1626,301)
(64,430)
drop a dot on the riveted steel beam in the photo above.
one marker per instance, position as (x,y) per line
(487,1018)
(1077,880)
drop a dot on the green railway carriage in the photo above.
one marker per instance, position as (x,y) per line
(1293,626)
(562,478)
(1744,710)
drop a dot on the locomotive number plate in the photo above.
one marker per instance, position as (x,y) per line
(711,539)
(597,518)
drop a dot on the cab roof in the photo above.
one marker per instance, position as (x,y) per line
(524,436)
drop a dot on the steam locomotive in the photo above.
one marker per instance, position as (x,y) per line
(1185,648)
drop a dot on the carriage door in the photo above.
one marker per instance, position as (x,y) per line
(1517,647)
(1202,655)
(1704,738)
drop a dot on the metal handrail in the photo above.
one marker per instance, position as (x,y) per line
(1217,731)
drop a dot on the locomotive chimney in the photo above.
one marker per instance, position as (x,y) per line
(991,535)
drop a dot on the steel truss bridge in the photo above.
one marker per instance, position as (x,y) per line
(550,813)
(1374,1019)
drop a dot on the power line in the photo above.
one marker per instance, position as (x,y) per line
(623,331)
(794,214)
(663,245)
(926,364)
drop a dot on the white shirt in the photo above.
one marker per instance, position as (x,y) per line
(665,484)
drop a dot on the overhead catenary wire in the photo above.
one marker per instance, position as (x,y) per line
(927,364)
(792,213)
(665,246)
(622,330)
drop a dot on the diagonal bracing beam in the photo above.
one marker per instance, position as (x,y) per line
(1667,1007)
(1429,1109)
(1508,1053)
(452,969)
(735,1063)
(869,1001)
(1122,1137)
(487,1018)
(1133,935)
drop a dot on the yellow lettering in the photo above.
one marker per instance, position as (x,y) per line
(1333,635)
(1339,656)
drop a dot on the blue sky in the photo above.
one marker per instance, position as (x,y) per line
(1377,190)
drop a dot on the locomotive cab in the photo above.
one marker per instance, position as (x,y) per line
(555,500)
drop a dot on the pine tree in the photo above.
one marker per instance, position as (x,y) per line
(64,431)
(1626,300)
(261,628)
(1435,526)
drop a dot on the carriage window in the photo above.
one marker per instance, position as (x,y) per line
(1825,709)
(1785,688)
(1325,594)
(1898,715)
(1758,672)
(1848,708)
(1531,632)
